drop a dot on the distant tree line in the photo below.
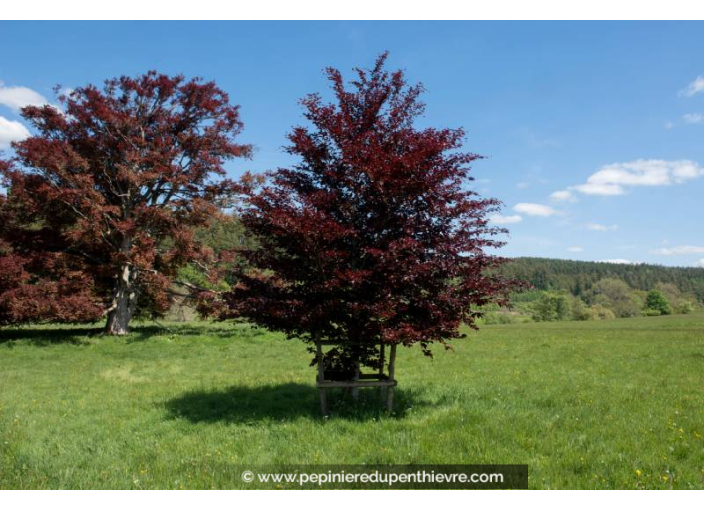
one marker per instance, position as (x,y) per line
(577,278)
(573,290)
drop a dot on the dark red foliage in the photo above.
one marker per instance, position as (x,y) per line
(40,286)
(105,197)
(374,237)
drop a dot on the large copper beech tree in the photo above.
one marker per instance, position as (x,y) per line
(375,235)
(103,200)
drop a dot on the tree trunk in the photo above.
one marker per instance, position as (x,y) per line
(355,377)
(124,303)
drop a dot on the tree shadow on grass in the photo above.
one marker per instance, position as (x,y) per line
(49,336)
(285,402)
(83,335)
(226,330)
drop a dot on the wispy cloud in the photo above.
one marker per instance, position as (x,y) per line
(614,179)
(679,250)
(11,131)
(16,98)
(687,118)
(505,220)
(534,209)
(694,87)
(601,228)
(693,118)
(563,196)
(575,249)
(700,263)
(619,261)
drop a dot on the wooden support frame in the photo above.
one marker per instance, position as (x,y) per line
(360,380)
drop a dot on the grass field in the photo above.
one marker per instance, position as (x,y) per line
(613,404)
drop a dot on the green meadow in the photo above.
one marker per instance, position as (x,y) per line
(614,404)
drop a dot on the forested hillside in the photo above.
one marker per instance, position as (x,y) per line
(578,278)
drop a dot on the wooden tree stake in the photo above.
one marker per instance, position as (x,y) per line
(321,379)
(359,380)
(392,368)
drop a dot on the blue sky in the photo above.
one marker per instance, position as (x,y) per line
(608,115)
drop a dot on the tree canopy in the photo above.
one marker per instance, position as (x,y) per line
(374,236)
(104,198)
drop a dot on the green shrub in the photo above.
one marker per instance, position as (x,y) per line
(599,312)
(499,317)
(579,310)
(685,307)
(551,307)
(656,304)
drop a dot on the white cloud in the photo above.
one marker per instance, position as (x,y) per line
(619,261)
(693,88)
(534,209)
(11,131)
(600,189)
(19,97)
(505,220)
(563,196)
(575,249)
(522,185)
(601,228)
(700,263)
(679,250)
(693,118)
(669,124)
(613,179)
